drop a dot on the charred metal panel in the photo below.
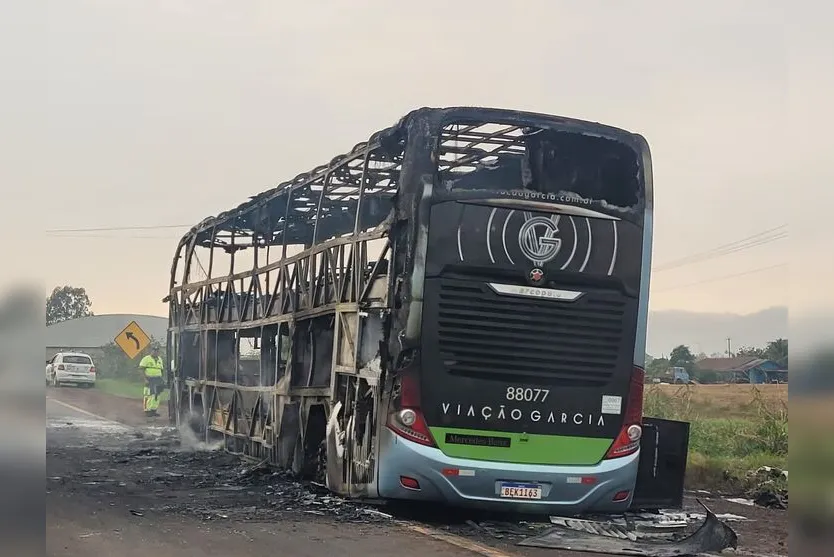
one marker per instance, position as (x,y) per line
(346,327)
(319,252)
(322,352)
(663,452)
(712,537)
(289,433)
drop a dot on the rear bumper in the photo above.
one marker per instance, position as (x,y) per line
(562,492)
(64,377)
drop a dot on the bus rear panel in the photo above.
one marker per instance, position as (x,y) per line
(527,389)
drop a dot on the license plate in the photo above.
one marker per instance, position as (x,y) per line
(521,491)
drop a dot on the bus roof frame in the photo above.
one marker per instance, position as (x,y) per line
(390,140)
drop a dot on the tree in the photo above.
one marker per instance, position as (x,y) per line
(751,352)
(65,303)
(777,350)
(656,369)
(681,356)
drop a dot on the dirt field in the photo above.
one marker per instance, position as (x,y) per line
(727,401)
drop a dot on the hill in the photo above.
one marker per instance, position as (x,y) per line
(708,332)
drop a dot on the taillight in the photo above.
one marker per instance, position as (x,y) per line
(92,370)
(406,419)
(409,483)
(61,367)
(628,441)
(620,496)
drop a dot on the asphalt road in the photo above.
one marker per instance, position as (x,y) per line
(93,511)
(123,485)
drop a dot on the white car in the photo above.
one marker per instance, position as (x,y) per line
(71,367)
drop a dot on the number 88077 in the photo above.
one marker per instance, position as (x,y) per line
(526,394)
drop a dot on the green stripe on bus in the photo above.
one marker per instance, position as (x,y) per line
(526,448)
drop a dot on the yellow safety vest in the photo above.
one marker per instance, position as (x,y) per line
(152,367)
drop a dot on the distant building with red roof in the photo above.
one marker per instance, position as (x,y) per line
(744,369)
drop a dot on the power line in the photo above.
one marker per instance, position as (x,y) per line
(114,237)
(734,248)
(758,239)
(118,228)
(723,277)
(749,242)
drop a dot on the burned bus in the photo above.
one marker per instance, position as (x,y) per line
(453,311)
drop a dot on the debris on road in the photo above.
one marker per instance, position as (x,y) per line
(741,501)
(616,539)
(771,487)
(161,474)
(770,472)
(379,514)
(598,528)
(772,499)
(501,530)
(729,517)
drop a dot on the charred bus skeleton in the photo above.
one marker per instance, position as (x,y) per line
(453,311)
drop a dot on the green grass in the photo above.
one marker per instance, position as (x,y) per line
(125,388)
(724,450)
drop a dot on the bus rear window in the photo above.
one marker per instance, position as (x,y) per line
(501,157)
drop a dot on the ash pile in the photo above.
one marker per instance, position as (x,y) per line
(183,477)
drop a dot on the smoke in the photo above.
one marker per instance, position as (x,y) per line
(189,441)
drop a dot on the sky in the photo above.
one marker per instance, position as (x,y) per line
(163,112)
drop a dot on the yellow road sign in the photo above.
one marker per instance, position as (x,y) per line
(132,340)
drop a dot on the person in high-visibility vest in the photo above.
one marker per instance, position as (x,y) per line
(152,365)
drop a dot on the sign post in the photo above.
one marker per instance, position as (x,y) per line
(132,340)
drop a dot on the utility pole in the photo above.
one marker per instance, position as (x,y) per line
(729,351)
